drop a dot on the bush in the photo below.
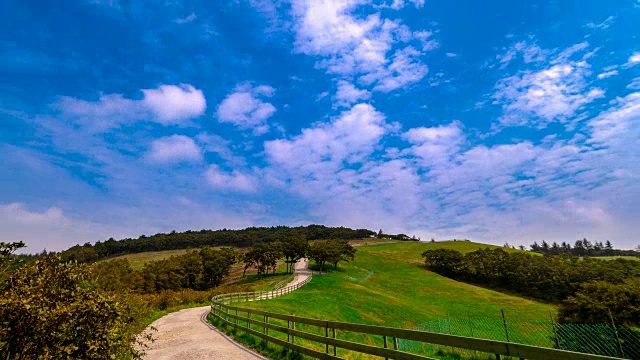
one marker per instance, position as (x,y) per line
(49,311)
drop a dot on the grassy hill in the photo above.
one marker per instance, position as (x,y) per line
(388,285)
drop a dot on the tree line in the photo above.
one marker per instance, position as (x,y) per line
(587,290)
(582,247)
(197,239)
(264,256)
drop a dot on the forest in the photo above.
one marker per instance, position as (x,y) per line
(582,247)
(196,239)
(588,290)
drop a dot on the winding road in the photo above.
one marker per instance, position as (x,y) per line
(186,334)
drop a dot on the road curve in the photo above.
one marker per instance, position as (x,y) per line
(186,334)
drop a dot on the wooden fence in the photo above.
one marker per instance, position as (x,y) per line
(244,319)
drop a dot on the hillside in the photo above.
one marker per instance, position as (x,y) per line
(388,284)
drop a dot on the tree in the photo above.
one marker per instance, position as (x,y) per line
(608,248)
(579,249)
(264,256)
(545,247)
(339,251)
(535,247)
(7,259)
(443,261)
(216,264)
(319,253)
(50,310)
(294,248)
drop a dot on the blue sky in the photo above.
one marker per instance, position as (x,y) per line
(490,120)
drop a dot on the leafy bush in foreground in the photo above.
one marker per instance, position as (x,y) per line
(49,311)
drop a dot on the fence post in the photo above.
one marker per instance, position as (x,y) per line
(384,338)
(506,330)
(326,334)
(395,343)
(264,328)
(429,331)
(335,350)
(288,327)
(615,329)
(293,338)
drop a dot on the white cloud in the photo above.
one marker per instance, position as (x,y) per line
(187,19)
(174,148)
(399,4)
(531,53)
(50,228)
(607,74)
(245,109)
(166,105)
(404,70)
(425,37)
(554,94)
(451,55)
(618,127)
(603,25)
(349,139)
(435,144)
(351,45)
(173,104)
(233,181)
(634,59)
(348,94)
(110,111)
(634,84)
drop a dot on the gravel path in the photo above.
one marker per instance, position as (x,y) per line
(186,334)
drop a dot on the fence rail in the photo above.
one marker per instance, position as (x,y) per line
(389,346)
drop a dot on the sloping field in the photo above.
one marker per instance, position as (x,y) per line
(138,260)
(388,285)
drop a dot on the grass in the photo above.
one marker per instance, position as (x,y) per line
(634,258)
(398,292)
(138,260)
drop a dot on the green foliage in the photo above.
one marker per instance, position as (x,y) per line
(331,251)
(49,310)
(443,261)
(263,256)
(582,247)
(199,270)
(294,248)
(115,275)
(550,278)
(197,239)
(601,301)
(8,261)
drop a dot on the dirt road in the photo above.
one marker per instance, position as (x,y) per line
(186,334)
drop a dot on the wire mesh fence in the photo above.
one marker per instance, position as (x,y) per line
(598,339)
